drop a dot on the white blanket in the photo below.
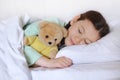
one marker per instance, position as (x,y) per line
(13,64)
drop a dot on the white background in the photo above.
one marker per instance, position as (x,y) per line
(64,9)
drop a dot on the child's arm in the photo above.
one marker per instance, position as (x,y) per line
(60,62)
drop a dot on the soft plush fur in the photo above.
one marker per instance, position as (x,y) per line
(50,35)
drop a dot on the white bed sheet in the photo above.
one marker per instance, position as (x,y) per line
(96,71)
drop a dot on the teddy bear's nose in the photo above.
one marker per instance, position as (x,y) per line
(49,43)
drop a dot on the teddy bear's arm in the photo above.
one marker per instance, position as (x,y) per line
(53,53)
(29,40)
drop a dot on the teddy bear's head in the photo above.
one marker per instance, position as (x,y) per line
(51,33)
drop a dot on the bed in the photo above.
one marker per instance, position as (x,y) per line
(98,61)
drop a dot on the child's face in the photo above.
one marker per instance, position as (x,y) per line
(81,32)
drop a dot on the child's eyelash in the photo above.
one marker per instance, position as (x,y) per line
(86,42)
(79,31)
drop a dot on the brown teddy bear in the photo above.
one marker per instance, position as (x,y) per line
(50,35)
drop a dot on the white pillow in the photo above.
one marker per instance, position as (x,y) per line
(105,49)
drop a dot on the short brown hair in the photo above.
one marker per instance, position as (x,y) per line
(98,21)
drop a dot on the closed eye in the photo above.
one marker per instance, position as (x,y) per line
(79,31)
(86,42)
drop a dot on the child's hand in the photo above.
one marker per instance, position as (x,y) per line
(25,41)
(60,62)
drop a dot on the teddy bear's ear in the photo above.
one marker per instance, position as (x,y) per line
(64,31)
(43,24)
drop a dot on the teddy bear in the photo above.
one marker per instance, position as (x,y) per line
(49,36)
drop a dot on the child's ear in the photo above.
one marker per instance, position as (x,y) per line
(64,32)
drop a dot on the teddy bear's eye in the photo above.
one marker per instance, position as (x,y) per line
(55,39)
(46,36)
